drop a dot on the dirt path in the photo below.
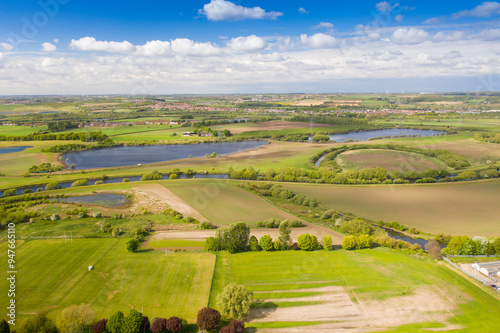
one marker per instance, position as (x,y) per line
(160,192)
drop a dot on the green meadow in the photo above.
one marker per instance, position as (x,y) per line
(53,274)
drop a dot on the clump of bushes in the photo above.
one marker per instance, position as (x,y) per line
(81,182)
(357,242)
(151,176)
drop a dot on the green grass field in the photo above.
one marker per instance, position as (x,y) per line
(469,208)
(223,203)
(389,160)
(371,278)
(53,275)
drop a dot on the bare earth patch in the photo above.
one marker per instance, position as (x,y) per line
(341,314)
(320,232)
(167,197)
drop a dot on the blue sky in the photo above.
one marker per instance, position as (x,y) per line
(239,46)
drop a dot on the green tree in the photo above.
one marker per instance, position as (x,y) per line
(75,318)
(236,237)
(327,243)
(115,322)
(132,245)
(132,323)
(307,242)
(210,244)
(253,244)
(266,243)
(349,243)
(496,245)
(4,326)
(234,302)
(364,242)
(276,245)
(39,323)
(284,238)
(355,227)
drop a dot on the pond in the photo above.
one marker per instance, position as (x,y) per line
(101,199)
(13,149)
(400,236)
(135,155)
(392,132)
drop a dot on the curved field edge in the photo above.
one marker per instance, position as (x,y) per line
(389,160)
(469,208)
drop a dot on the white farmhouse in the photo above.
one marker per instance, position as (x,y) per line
(490,269)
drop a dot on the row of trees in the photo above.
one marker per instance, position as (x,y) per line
(472,246)
(235,238)
(92,136)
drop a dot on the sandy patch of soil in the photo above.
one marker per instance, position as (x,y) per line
(144,200)
(167,197)
(343,314)
(320,232)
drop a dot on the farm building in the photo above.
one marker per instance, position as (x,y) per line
(491,269)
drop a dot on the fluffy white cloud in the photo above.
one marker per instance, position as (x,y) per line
(47,47)
(154,48)
(485,9)
(302,10)
(324,25)
(383,6)
(187,47)
(247,44)
(6,46)
(91,44)
(449,36)
(319,41)
(221,10)
(489,34)
(409,36)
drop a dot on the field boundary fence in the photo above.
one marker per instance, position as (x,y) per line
(467,273)
(213,277)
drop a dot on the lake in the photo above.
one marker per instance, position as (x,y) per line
(102,199)
(134,155)
(13,149)
(392,132)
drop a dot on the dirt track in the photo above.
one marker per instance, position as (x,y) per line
(160,192)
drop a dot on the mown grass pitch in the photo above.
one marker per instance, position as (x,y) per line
(467,208)
(53,275)
(372,278)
